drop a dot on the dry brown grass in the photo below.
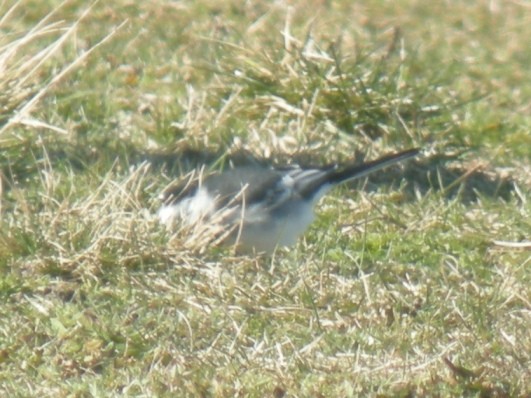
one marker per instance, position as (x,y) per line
(402,288)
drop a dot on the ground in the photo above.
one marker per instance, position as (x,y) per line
(413,282)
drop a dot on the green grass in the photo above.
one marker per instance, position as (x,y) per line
(415,282)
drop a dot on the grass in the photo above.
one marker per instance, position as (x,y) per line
(412,283)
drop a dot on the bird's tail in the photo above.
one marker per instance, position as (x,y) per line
(338,175)
(361,170)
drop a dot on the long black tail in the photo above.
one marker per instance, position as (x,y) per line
(361,170)
(339,175)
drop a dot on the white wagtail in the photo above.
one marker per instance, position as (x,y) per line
(264,208)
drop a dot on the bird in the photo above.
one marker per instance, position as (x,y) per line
(261,208)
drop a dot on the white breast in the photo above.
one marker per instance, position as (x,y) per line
(257,228)
(275,230)
(189,210)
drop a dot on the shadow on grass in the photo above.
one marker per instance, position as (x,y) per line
(440,173)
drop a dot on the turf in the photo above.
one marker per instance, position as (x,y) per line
(413,282)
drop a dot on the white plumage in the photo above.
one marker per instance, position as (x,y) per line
(264,207)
